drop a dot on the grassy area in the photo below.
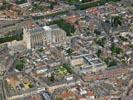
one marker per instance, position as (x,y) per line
(62,71)
(66,66)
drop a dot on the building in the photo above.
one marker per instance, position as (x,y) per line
(33,37)
(10,27)
(127,98)
(41,36)
(54,35)
(87,63)
(47,96)
(1,3)
(5,58)
(15,46)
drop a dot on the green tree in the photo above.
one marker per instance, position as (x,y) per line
(88,33)
(116,20)
(30,86)
(98,53)
(20,64)
(40,50)
(97,32)
(51,6)
(70,51)
(52,77)
(123,38)
(112,63)
(107,60)
(101,41)
(115,50)
(37,7)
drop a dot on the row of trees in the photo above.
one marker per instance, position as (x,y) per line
(77,1)
(67,27)
(72,1)
(84,1)
(93,4)
(21,1)
(11,38)
(5,5)
(58,13)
